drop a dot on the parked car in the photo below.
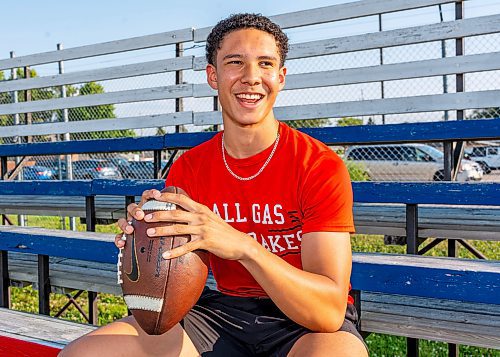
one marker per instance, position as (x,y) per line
(486,156)
(408,162)
(36,172)
(138,170)
(119,162)
(58,168)
(92,169)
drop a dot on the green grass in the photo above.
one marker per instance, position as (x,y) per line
(113,307)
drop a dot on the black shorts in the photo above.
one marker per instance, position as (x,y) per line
(222,325)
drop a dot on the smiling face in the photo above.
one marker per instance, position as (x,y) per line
(248,77)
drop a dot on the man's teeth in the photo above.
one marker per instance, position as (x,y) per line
(249,96)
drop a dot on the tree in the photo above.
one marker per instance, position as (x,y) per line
(4,99)
(307,123)
(105,111)
(488,113)
(36,94)
(349,121)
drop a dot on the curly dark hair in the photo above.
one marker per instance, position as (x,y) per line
(244,21)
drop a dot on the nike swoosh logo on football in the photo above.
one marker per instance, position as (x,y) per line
(133,275)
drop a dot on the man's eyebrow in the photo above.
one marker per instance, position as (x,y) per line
(269,58)
(232,55)
(260,58)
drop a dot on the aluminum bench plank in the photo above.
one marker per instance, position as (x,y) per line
(40,329)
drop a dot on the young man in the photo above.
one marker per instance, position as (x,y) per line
(272,206)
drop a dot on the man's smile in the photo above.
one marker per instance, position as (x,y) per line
(249,98)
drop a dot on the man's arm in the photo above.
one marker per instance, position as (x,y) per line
(315,297)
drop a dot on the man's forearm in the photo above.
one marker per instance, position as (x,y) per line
(312,300)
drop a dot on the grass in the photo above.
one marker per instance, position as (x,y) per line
(112,307)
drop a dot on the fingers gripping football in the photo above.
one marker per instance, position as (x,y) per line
(133,211)
(208,231)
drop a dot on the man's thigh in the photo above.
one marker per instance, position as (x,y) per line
(126,338)
(340,343)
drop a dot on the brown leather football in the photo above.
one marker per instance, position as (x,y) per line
(159,292)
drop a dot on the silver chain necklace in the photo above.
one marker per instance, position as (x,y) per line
(258,172)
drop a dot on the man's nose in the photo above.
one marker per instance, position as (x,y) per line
(251,75)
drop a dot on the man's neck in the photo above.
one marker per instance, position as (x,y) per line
(242,142)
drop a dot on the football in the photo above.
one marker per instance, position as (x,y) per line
(159,292)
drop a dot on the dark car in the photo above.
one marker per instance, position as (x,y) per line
(93,169)
(36,173)
(138,170)
(58,168)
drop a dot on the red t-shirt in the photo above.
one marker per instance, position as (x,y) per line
(305,188)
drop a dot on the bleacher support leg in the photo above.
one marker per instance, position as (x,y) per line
(129,200)
(4,280)
(412,248)
(157,164)
(43,285)
(452,252)
(91,223)
(452,350)
(90,218)
(412,347)
(93,312)
(411,229)
(3,167)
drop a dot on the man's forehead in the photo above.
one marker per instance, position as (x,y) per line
(248,34)
(249,41)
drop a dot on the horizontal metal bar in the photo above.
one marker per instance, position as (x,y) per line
(126,96)
(390,38)
(480,129)
(446,278)
(98,125)
(336,13)
(83,146)
(89,246)
(99,74)
(98,49)
(397,71)
(452,193)
(414,104)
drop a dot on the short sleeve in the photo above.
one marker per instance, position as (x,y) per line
(326,197)
(179,176)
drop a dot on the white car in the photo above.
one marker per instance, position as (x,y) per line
(407,162)
(487,156)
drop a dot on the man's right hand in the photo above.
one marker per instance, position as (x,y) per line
(133,211)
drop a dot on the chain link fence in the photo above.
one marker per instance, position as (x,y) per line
(139,164)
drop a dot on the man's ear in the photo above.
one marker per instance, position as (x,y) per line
(282,76)
(212,76)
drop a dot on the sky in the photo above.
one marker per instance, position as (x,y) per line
(37,26)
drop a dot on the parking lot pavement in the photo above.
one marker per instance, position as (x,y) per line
(494,176)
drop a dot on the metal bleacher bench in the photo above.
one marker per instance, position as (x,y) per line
(451,222)
(443,221)
(444,299)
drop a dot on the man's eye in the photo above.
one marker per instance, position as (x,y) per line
(266,64)
(234,62)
